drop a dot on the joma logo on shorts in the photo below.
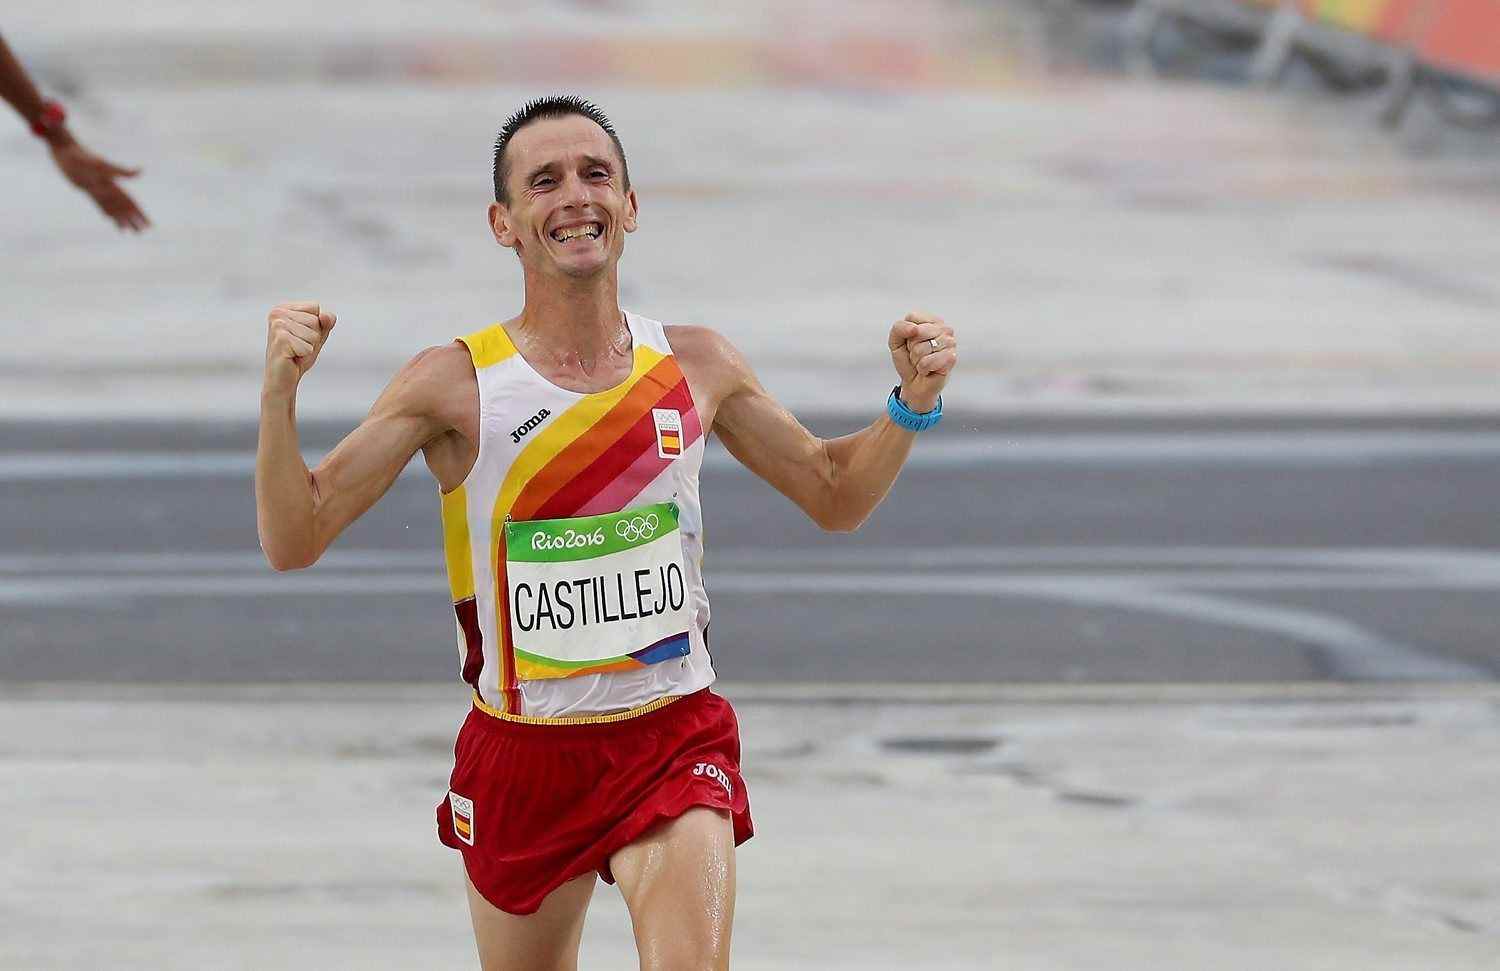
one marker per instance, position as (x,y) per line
(531,423)
(715,773)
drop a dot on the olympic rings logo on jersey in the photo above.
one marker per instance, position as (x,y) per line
(640,527)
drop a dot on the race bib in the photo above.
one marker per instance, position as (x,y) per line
(596,593)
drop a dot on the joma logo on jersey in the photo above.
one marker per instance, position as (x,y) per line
(531,423)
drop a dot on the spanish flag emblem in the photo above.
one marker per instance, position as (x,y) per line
(463,817)
(668,432)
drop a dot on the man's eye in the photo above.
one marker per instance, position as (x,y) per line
(543,181)
(599,173)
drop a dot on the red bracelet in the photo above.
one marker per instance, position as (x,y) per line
(52,116)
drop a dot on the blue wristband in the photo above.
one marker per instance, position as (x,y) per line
(915,421)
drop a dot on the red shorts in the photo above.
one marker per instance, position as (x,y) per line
(530,807)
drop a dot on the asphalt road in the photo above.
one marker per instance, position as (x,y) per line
(1023,550)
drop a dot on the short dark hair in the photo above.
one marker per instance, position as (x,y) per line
(553,106)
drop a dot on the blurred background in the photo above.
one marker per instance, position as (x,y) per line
(1201,568)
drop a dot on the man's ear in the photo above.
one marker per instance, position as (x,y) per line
(500,225)
(631,211)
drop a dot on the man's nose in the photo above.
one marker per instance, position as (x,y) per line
(575,192)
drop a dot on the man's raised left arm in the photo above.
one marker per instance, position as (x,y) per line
(838,482)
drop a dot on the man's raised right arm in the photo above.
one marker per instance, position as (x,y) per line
(299,512)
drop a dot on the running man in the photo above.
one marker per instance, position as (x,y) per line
(566,444)
(95,176)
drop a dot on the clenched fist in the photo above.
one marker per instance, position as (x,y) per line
(924,350)
(294,336)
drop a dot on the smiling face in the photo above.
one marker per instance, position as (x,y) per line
(567,209)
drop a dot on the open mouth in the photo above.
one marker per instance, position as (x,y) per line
(567,234)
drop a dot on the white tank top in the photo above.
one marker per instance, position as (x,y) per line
(549,453)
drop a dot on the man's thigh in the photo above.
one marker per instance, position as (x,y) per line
(544,941)
(678,881)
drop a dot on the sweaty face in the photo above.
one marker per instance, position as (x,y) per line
(569,211)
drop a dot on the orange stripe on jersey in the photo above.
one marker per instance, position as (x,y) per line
(576,462)
(560,432)
(613,461)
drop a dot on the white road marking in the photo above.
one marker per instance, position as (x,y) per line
(74,585)
(167,564)
(322,579)
(102,465)
(1237,567)
(83,589)
(1352,652)
(880,693)
(1420,558)
(1424,560)
(1278,448)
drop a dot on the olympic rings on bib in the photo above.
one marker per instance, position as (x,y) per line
(639,527)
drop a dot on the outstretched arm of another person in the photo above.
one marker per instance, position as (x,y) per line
(301,511)
(94,175)
(838,482)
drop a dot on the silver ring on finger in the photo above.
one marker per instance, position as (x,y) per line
(936,342)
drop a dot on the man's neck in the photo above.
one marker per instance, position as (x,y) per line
(576,319)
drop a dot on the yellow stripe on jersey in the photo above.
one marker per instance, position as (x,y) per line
(490,346)
(456,548)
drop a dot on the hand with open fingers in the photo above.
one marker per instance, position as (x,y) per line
(295,335)
(924,350)
(97,177)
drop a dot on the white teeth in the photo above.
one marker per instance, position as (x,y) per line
(591,230)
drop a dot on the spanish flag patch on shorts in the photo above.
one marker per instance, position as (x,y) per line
(463,817)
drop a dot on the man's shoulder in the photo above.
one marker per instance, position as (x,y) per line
(713,366)
(438,380)
(701,345)
(440,364)
(452,356)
